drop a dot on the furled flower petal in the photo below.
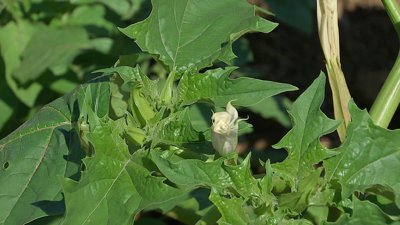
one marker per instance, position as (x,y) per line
(224,131)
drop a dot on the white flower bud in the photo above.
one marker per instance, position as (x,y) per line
(224,131)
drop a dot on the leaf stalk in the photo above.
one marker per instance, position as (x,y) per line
(211,217)
(388,99)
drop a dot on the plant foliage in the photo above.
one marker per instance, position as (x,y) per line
(122,143)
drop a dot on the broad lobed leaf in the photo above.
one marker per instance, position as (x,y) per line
(370,155)
(230,208)
(129,74)
(364,212)
(115,184)
(50,48)
(215,86)
(11,52)
(214,174)
(177,31)
(302,142)
(44,148)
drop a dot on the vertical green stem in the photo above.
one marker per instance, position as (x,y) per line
(393,10)
(388,99)
(211,217)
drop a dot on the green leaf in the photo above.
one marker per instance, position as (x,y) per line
(265,205)
(11,51)
(46,147)
(118,97)
(115,184)
(199,203)
(50,47)
(48,220)
(121,84)
(177,29)
(294,222)
(200,116)
(188,171)
(177,130)
(370,155)
(298,14)
(91,15)
(386,192)
(317,214)
(364,212)
(103,45)
(124,8)
(267,184)
(242,49)
(387,206)
(170,204)
(302,142)
(274,107)
(230,208)
(299,200)
(8,102)
(215,86)
(63,86)
(129,74)
(119,93)
(194,172)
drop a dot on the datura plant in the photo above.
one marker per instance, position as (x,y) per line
(122,144)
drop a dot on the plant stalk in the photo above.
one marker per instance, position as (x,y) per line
(393,10)
(329,36)
(210,218)
(388,99)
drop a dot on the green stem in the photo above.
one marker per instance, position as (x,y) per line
(388,99)
(393,10)
(211,217)
(183,215)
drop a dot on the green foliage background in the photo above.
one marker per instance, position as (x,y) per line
(49,47)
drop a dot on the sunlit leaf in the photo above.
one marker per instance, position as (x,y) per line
(11,51)
(215,86)
(364,212)
(302,142)
(50,47)
(176,30)
(369,156)
(115,184)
